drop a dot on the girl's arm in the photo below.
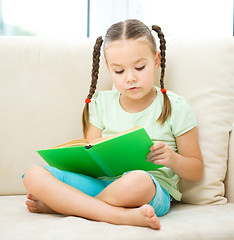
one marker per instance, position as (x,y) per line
(187,163)
(92,133)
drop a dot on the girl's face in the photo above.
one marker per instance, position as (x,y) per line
(132,66)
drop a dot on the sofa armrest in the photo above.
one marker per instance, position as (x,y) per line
(229,180)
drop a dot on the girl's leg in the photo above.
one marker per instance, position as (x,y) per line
(88,185)
(137,188)
(67,200)
(133,189)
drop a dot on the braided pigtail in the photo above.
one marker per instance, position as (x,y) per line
(95,71)
(166,111)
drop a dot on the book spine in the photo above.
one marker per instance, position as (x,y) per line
(108,172)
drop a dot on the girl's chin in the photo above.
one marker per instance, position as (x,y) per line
(138,93)
(133,96)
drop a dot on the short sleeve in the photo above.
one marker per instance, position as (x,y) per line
(95,111)
(182,118)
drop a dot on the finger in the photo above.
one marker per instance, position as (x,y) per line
(158,145)
(155,152)
(156,157)
(158,162)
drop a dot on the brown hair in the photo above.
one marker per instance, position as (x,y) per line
(93,85)
(129,29)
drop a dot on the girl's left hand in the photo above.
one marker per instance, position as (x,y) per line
(161,154)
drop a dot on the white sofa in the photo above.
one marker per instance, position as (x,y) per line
(43,85)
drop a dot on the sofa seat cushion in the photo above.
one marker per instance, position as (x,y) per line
(184,221)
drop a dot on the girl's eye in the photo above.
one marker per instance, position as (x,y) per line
(141,68)
(119,72)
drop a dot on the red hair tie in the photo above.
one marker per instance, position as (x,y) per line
(87,100)
(163,90)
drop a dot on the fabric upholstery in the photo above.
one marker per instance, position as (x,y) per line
(202,70)
(229,183)
(43,85)
(183,222)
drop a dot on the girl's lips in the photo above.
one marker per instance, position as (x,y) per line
(133,88)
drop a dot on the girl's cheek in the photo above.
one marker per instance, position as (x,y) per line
(118,83)
(118,87)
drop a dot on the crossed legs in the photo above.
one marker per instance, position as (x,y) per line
(119,203)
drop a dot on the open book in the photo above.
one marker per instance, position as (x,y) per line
(109,156)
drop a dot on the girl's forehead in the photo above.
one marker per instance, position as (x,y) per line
(127,42)
(128,47)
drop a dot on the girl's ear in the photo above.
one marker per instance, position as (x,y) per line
(157,60)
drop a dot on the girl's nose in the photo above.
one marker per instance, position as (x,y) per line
(130,77)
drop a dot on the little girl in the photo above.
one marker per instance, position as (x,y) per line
(138,197)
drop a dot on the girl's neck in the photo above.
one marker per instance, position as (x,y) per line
(137,105)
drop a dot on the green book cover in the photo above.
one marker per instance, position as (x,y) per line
(111,157)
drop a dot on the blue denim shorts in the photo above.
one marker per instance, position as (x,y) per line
(92,187)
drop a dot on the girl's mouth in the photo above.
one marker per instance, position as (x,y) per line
(133,88)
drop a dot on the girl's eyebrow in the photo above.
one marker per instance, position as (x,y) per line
(119,65)
(115,65)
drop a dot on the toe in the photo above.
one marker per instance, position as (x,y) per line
(33,210)
(155,223)
(30,203)
(32,206)
(152,218)
(31,197)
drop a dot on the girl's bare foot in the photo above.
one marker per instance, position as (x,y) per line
(144,216)
(34,205)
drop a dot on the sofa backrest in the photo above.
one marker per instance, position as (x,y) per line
(202,70)
(44,83)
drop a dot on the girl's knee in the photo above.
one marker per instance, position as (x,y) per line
(139,178)
(33,175)
(139,184)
